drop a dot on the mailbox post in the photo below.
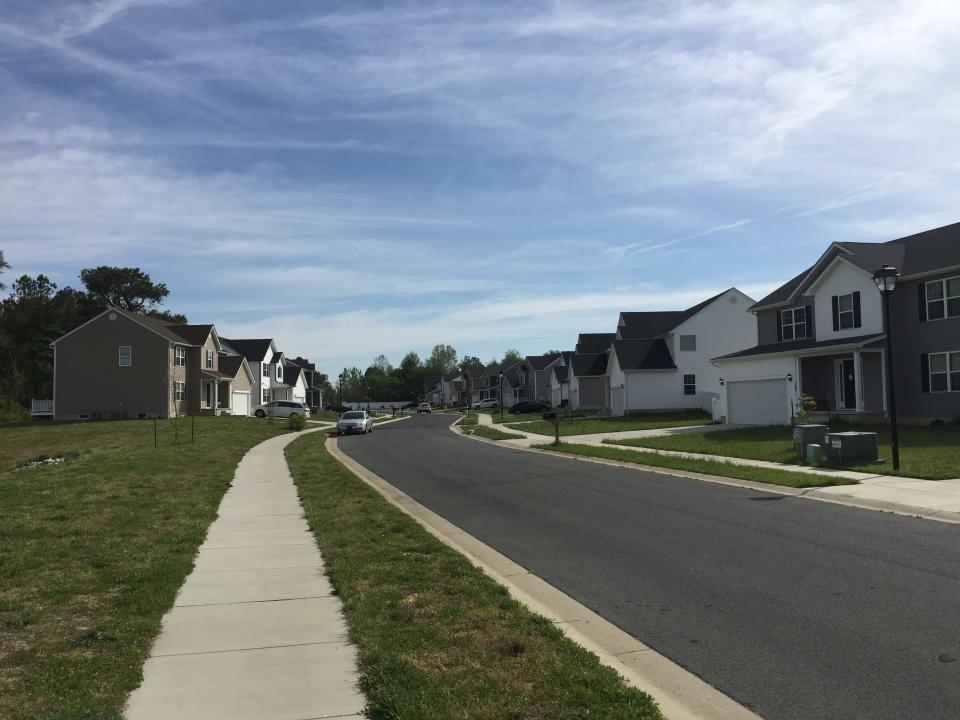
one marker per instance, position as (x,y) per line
(554,417)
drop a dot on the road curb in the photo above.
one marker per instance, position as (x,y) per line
(680,694)
(811,493)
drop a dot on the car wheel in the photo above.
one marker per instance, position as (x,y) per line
(260,413)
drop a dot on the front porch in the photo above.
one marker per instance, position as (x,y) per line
(849,383)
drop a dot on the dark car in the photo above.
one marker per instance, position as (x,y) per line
(337,407)
(528,406)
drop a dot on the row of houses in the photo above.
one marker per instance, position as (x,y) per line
(123,364)
(819,335)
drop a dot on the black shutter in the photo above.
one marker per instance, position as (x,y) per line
(856,309)
(808,314)
(922,292)
(779,326)
(836,313)
(925,373)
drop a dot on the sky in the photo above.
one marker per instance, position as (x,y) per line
(363,178)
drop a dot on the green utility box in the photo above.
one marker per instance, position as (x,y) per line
(814,454)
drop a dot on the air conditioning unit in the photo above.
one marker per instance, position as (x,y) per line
(853,448)
(804,435)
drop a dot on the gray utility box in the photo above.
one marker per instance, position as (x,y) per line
(804,435)
(856,448)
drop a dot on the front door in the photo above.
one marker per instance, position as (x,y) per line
(209,393)
(846,385)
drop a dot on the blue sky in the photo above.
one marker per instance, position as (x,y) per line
(357,178)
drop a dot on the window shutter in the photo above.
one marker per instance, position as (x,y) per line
(922,292)
(836,313)
(856,309)
(779,326)
(808,316)
(925,373)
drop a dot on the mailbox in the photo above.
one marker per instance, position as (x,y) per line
(550,415)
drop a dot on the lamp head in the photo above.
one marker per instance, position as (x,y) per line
(886,279)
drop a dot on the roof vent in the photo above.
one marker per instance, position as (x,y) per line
(733,299)
(112,316)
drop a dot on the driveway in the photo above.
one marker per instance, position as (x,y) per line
(798,610)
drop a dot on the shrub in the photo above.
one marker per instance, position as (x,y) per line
(12,411)
(297,422)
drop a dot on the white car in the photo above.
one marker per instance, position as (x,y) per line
(424,408)
(482,404)
(355,421)
(281,408)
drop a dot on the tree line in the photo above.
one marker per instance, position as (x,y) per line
(37,312)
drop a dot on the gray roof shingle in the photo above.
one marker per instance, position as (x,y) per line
(643,355)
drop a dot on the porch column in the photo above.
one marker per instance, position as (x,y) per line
(858,379)
(216,405)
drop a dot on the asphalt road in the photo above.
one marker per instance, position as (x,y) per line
(799,610)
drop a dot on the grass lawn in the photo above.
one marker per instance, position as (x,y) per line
(925,452)
(437,638)
(491,433)
(785,478)
(92,552)
(650,421)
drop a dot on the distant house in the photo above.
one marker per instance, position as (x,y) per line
(536,375)
(662,360)
(266,363)
(296,383)
(822,334)
(588,381)
(558,385)
(122,364)
(312,378)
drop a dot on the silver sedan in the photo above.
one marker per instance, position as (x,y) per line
(355,421)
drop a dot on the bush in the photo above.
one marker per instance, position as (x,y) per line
(12,411)
(297,422)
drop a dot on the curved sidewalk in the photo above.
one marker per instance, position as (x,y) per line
(256,632)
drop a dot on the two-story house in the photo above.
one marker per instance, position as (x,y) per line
(266,364)
(536,375)
(822,334)
(122,364)
(662,360)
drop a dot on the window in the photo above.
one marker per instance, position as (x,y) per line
(265,396)
(945,372)
(180,390)
(793,323)
(266,369)
(279,371)
(688,342)
(845,311)
(125,355)
(209,359)
(689,384)
(943,298)
(180,356)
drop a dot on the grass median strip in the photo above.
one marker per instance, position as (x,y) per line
(93,551)
(490,433)
(649,421)
(785,478)
(437,638)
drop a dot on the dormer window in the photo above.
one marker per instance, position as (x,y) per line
(846,311)
(279,372)
(793,324)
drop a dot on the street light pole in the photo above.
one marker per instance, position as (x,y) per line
(501,396)
(886,280)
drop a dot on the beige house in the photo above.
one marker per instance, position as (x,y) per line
(123,364)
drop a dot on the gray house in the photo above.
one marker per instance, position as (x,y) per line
(122,364)
(822,334)
(536,376)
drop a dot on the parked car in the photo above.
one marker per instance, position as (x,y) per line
(355,421)
(482,404)
(424,408)
(528,406)
(281,408)
(337,408)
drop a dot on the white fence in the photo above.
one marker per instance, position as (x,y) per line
(41,407)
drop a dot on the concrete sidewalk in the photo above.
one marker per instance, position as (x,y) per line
(936,499)
(256,632)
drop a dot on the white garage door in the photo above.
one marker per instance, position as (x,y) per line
(241,403)
(757,402)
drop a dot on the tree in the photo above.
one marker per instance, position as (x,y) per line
(511,356)
(29,320)
(3,266)
(443,360)
(125,288)
(468,362)
(552,352)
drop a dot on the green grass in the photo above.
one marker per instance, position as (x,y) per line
(648,421)
(925,452)
(784,478)
(437,638)
(92,552)
(491,433)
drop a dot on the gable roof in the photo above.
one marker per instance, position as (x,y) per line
(250,349)
(587,364)
(195,334)
(920,254)
(561,372)
(594,342)
(643,355)
(291,373)
(230,365)
(649,325)
(540,362)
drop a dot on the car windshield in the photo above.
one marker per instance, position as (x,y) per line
(353,416)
